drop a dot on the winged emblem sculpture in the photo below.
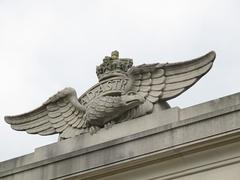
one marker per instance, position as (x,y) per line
(124,92)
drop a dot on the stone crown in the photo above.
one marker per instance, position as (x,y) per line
(113,66)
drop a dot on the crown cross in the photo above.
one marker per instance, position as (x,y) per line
(115,55)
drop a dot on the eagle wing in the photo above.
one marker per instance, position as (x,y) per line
(62,113)
(161,82)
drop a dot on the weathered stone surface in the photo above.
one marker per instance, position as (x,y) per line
(199,142)
(124,92)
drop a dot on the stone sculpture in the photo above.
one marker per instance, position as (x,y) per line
(124,92)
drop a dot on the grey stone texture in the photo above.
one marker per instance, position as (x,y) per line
(198,142)
(124,92)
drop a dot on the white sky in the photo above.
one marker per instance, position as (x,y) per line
(47,45)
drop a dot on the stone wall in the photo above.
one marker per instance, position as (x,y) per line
(199,142)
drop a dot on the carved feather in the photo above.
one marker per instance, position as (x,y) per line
(55,116)
(181,76)
(166,81)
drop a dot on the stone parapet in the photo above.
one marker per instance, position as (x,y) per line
(155,139)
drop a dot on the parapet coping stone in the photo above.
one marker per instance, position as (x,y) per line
(155,123)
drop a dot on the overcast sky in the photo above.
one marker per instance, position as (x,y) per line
(47,45)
